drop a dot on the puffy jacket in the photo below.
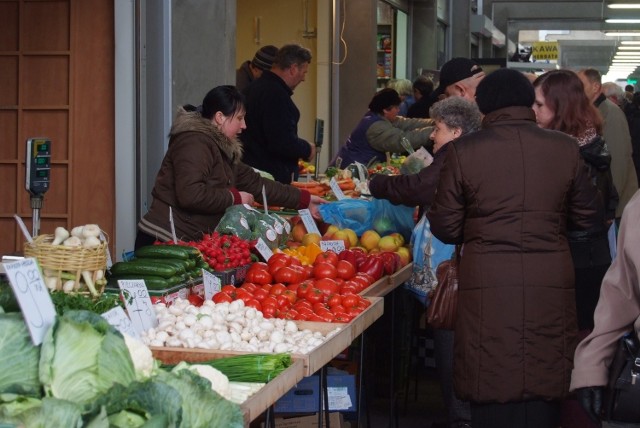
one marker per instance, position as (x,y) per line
(200,177)
(506,193)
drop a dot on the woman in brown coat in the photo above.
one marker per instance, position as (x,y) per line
(506,192)
(202,175)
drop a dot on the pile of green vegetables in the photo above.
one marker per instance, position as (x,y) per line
(83,375)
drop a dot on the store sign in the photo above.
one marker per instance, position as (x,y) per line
(545,51)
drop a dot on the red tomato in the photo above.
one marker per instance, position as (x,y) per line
(305,312)
(349,300)
(258,266)
(338,309)
(345,318)
(283,302)
(253,303)
(325,315)
(303,287)
(266,287)
(221,297)
(277,262)
(289,274)
(260,294)
(277,289)
(250,287)
(196,299)
(319,306)
(290,295)
(334,300)
(327,286)
(326,257)
(348,288)
(269,311)
(259,276)
(324,270)
(229,289)
(301,304)
(294,286)
(269,301)
(345,270)
(291,314)
(314,295)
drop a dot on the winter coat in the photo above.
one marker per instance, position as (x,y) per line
(618,309)
(616,134)
(376,135)
(410,189)
(243,76)
(271,141)
(506,192)
(200,177)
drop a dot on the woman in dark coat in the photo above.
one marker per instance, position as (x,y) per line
(202,175)
(506,193)
(562,105)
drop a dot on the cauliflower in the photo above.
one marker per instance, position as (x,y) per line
(219,382)
(141,356)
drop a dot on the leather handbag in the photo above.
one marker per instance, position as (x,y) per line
(442,311)
(622,395)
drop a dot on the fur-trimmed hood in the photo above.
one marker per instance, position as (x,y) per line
(192,121)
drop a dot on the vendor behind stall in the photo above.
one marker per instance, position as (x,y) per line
(381,130)
(201,174)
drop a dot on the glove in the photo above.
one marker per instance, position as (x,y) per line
(590,398)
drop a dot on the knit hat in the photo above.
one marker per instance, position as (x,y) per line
(264,57)
(455,70)
(504,88)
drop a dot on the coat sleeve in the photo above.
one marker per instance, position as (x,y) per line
(278,194)
(618,307)
(411,189)
(447,213)
(385,136)
(586,206)
(618,139)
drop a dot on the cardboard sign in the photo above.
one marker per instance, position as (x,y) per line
(33,297)
(308,221)
(117,318)
(264,249)
(335,246)
(138,304)
(211,283)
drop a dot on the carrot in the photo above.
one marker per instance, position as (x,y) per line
(346,184)
(304,184)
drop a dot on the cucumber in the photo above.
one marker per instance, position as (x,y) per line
(165,252)
(144,268)
(152,282)
(180,265)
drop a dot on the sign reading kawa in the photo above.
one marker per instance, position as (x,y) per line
(544,51)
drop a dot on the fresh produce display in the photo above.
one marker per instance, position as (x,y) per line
(259,368)
(250,224)
(384,168)
(160,266)
(327,291)
(70,273)
(222,252)
(86,373)
(305,167)
(228,326)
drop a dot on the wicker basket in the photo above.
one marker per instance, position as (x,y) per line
(63,260)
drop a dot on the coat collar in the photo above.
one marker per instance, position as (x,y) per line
(509,114)
(192,121)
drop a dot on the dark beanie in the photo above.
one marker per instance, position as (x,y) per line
(504,88)
(383,99)
(264,57)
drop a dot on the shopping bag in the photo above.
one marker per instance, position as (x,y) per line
(442,310)
(622,395)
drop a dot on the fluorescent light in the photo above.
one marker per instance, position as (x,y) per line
(627,53)
(629,48)
(624,6)
(622,21)
(630,42)
(622,34)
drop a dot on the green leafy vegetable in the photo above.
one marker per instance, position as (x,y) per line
(18,357)
(72,301)
(82,356)
(33,413)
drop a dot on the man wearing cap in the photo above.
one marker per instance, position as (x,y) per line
(252,70)
(271,141)
(460,77)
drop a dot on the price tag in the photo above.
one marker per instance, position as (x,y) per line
(109,260)
(138,304)
(309,222)
(117,318)
(211,283)
(339,398)
(264,249)
(335,246)
(336,189)
(33,297)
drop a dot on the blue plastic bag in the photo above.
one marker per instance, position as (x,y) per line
(428,253)
(375,214)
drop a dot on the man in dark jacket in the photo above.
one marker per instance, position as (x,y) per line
(506,192)
(250,71)
(271,141)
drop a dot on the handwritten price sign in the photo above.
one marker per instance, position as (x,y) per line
(117,318)
(33,297)
(138,304)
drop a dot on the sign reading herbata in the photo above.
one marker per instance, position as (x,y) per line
(544,51)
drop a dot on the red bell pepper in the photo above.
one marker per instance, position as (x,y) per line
(374,266)
(348,255)
(391,261)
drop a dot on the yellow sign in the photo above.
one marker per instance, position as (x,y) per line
(545,51)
